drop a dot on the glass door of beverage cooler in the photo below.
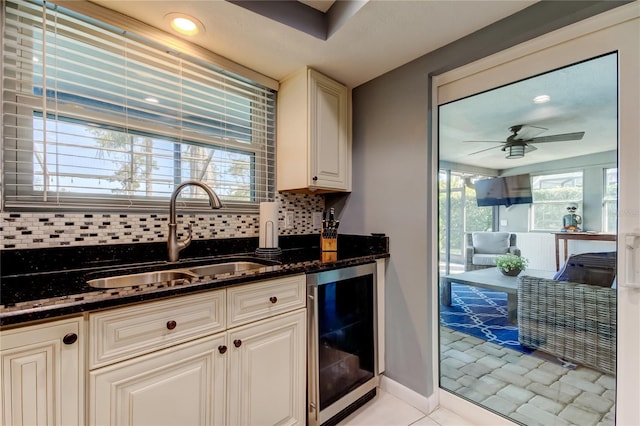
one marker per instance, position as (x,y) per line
(342,340)
(345,337)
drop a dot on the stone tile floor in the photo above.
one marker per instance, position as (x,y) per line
(387,410)
(526,388)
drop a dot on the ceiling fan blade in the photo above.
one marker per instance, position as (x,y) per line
(487,149)
(526,132)
(558,138)
(484,141)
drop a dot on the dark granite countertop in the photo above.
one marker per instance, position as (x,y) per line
(43,284)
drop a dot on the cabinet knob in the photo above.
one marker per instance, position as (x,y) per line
(237,343)
(171,324)
(315,178)
(273,299)
(70,338)
(222,349)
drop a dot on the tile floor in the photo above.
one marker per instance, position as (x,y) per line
(528,389)
(387,410)
(532,390)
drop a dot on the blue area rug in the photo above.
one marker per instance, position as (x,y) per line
(481,313)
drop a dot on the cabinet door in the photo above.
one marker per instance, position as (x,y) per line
(42,374)
(267,372)
(178,386)
(329,133)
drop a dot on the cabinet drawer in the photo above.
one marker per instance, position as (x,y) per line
(260,300)
(123,333)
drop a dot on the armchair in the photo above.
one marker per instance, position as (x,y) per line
(483,248)
(574,320)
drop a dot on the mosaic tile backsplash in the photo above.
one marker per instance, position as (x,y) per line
(22,230)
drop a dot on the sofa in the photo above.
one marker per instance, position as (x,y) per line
(574,321)
(484,247)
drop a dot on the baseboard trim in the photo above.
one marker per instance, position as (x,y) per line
(411,397)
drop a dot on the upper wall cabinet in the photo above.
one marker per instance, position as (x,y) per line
(314,134)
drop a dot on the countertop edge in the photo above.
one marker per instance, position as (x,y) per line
(71,306)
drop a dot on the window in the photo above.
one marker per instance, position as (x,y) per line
(610,200)
(459,212)
(551,195)
(95,116)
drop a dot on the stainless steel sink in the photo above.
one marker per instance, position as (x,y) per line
(176,274)
(140,279)
(225,268)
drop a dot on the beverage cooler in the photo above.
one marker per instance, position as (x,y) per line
(342,351)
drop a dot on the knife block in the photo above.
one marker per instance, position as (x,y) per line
(329,249)
(328,244)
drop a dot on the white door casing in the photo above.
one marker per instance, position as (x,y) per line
(617,30)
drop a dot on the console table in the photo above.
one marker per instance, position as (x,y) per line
(566,236)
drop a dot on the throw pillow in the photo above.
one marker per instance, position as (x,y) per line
(490,242)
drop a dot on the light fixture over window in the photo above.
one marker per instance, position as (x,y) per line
(514,151)
(184,24)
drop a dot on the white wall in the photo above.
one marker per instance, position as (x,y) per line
(539,249)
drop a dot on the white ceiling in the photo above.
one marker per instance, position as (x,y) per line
(583,98)
(321,5)
(381,36)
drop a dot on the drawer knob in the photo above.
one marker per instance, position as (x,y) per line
(237,343)
(222,349)
(273,299)
(171,324)
(70,338)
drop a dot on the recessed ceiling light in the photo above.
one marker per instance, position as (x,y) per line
(184,24)
(541,99)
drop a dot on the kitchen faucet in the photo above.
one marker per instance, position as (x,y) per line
(174,246)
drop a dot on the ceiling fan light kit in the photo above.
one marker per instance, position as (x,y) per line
(515,151)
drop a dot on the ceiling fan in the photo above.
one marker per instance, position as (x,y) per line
(523,135)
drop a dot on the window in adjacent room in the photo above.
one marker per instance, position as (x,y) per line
(610,200)
(459,213)
(551,195)
(95,116)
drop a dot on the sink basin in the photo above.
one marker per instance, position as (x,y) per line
(140,279)
(155,277)
(225,268)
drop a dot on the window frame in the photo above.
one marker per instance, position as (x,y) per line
(606,200)
(18,165)
(578,202)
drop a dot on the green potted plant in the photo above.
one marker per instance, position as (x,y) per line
(511,265)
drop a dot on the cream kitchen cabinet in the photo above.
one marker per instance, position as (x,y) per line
(181,385)
(43,374)
(314,134)
(267,372)
(177,362)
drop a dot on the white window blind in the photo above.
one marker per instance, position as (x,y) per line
(96,117)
